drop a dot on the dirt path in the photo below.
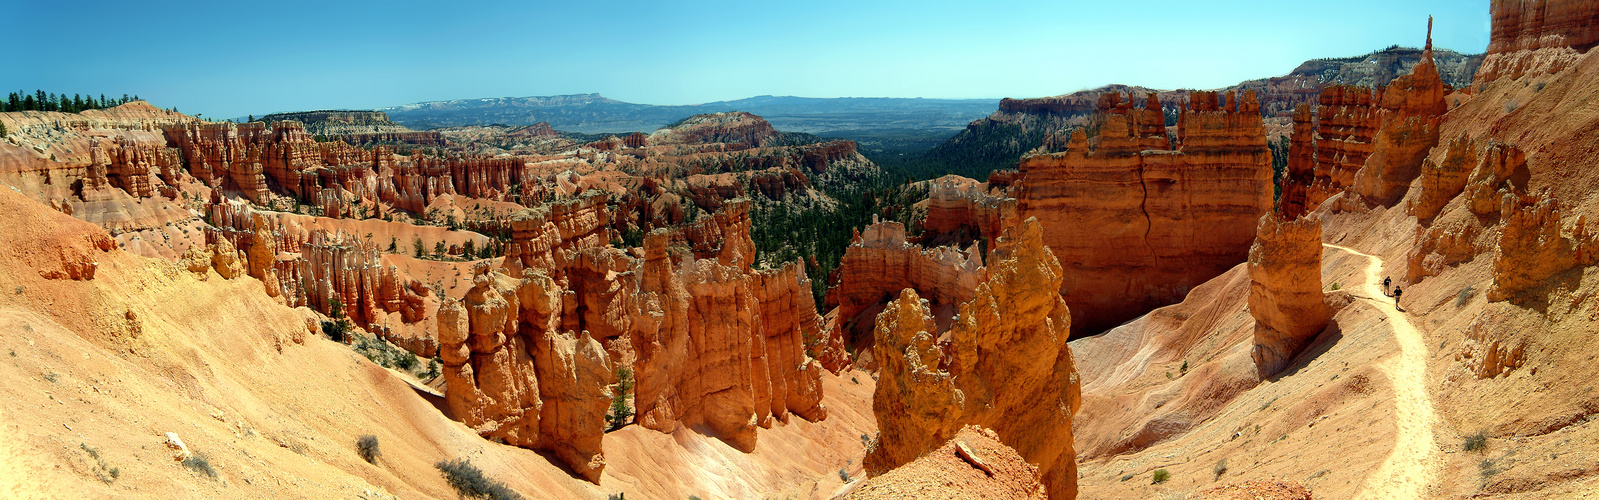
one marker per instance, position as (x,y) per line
(1412,467)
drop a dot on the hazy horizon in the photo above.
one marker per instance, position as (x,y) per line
(227,60)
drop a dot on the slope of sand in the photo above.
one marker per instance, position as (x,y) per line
(1338,396)
(114,363)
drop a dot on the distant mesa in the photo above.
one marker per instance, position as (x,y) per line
(357,127)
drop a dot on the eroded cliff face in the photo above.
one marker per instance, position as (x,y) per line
(1285,294)
(1412,109)
(715,345)
(1136,222)
(1370,143)
(1538,36)
(961,210)
(1006,366)
(880,263)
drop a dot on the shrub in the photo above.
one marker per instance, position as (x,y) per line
(620,412)
(198,462)
(1161,476)
(103,472)
(1220,468)
(367,446)
(1487,469)
(336,330)
(1477,442)
(1335,287)
(843,475)
(1510,107)
(1464,296)
(469,481)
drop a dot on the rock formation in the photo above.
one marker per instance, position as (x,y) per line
(1285,294)
(514,379)
(1006,366)
(1532,247)
(1442,182)
(1538,36)
(1412,109)
(733,128)
(1136,223)
(723,349)
(1370,142)
(1497,173)
(880,262)
(960,210)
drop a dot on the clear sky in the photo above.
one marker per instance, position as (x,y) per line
(227,59)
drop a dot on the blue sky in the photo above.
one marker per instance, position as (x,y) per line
(228,59)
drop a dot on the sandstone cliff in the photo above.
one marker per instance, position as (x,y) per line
(1412,109)
(1538,36)
(1006,366)
(1137,223)
(1371,143)
(880,263)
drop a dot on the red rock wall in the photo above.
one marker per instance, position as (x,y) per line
(1412,109)
(1540,24)
(1371,143)
(1538,36)
(1137,227)
(880,263)
(543,236)
(961,210)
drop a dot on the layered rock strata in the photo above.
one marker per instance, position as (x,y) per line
(961,210)
(1412,109)
(1137,224)
(716,346)
(1538,36)
(1006,366)
(1369,142)
(1285,294)
(879,263)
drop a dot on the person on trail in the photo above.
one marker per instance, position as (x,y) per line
(1397,293)
(1385,283)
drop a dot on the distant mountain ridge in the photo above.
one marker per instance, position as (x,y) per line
(594,113)
(999,140)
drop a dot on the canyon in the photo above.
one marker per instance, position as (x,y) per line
(723,307)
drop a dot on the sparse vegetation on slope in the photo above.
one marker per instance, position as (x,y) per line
(469,481)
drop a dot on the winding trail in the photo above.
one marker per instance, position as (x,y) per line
(1412,467)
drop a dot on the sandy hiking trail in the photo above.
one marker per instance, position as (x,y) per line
(1411,468)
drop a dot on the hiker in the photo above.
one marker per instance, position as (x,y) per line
(1397,293)
(1385,284)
